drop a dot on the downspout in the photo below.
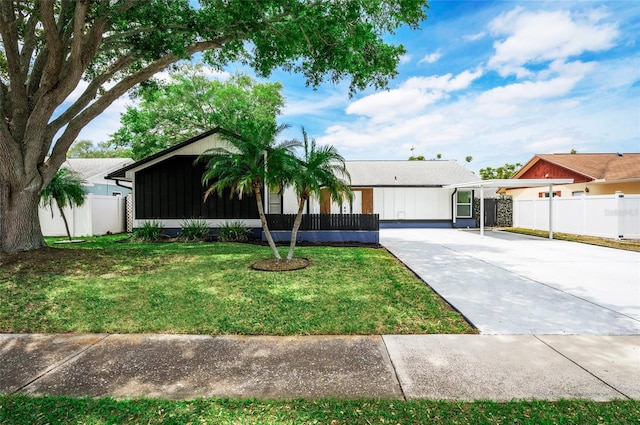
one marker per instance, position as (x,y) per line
(453,216)
(126,187)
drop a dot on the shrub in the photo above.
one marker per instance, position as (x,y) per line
(194,230)
(151,230)
(233,231)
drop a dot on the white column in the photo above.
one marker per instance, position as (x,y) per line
(481,212)
(551,211)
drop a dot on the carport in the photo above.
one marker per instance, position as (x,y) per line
(512,184)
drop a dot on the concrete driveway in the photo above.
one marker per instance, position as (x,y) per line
(514,284)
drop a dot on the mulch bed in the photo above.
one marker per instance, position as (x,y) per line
(283,265)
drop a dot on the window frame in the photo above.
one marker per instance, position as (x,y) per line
(466,204)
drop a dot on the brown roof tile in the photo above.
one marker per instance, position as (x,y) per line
(607,166)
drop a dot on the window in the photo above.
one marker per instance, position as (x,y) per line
(275,203)
(546,194)
(464,204)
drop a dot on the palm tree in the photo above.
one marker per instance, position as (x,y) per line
(253,160)
(322,168)
(66,188)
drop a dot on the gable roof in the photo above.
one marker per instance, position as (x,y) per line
(597,166)
(407,173)
(93,170)
(121,173)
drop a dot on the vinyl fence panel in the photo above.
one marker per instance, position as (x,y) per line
(97,216)
(609,216)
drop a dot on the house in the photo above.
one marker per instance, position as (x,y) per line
(402,193)
(93,171)
(167,187)
(592,173)
(602,201)
(103,210)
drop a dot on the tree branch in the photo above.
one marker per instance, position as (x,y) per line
(88,95)
(17,100)
(62,144)
(30,41)
(54,47)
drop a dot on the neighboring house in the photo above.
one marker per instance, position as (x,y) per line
(592,173)
(603,200)
(167,187)
(93,171)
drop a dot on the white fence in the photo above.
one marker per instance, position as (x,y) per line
(97,216)
(608,216)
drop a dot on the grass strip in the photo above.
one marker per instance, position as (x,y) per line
(628,245)
(22,409)
(208,288)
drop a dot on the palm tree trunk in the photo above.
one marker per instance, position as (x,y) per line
(64,218)
(265,226)
(296,226)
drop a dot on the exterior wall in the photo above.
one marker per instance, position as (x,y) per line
(632,188)
(193,149)
(172,189)
(106,189)
(97,216)
(608,216)
(543,169)
(427,206)
(359,236)
(568,189)
(408,203)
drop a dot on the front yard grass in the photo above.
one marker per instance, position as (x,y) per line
(104,286)
(20,409)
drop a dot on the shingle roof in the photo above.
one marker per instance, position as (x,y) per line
(407,173)
(599,166)
(93,170)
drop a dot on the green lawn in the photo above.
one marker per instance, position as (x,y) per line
(104,286)
(62,410)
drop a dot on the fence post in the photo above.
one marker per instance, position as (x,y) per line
(619,211)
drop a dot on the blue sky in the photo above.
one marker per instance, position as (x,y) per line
(497,80)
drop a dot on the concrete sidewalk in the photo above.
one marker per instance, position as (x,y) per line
(454,367)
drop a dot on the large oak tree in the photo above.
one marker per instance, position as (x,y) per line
(48,47)
(190,104)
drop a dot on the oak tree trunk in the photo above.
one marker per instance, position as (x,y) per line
(19,221)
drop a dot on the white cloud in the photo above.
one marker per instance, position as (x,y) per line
(445,83)
(405,59)
(475,37)
(313,105)
(411,97)
(537,37)
(431,57)
(556,81)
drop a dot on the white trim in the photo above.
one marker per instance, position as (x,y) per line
(509,183)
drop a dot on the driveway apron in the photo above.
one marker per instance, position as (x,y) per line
(514,284)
